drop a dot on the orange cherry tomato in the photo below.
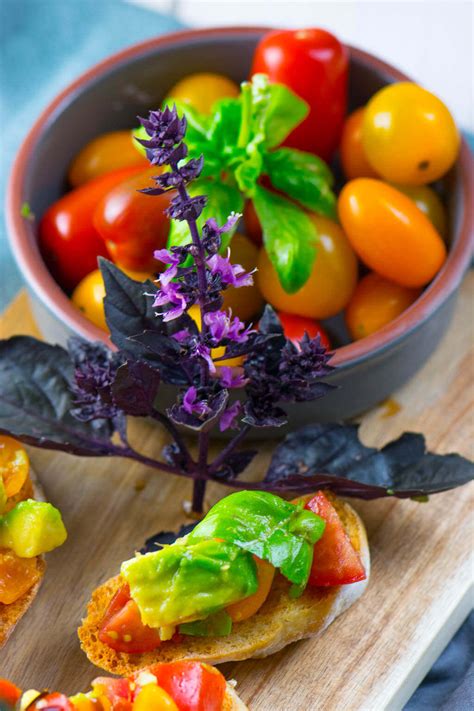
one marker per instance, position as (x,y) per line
(203,89)
(14,465)
(193,686)
(375,302)
(243,609)
(109,151)
(253,228)
(330,284)
(153,698)
(294,328)
(409,135)
(17,575)
(353,158)
(247,301)
(9,692)
(69,242)
(132,224)
(389,233)
(428,202)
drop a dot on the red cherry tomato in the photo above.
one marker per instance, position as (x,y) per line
(52,702)
(314,64)
(294,328)
(117,691)
(335,562)
(193,686)
(9,693)
(69,242)
(122,628)
(253,227)
(132,224)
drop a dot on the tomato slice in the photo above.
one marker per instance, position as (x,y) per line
(335,562)
(17,576)
(243,609)
(9,693)
(14,465)
(117,691)
(52,702)
(193,686)
(122,628)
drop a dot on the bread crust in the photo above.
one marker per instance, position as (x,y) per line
(11,614)
(279,622)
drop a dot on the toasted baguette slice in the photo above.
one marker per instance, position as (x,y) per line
(232,701)
(11,614)
(278,622)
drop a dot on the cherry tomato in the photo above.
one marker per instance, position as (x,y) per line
(153,698)
(193,686)
(389,233)
(253,228)
(122,628)
(132,224)
(69,242)
(428,202)
(17,575)
(313,64)
(108,152)
(243,609)
(14,465)
(335,562)
(51,702)
(245,302)
(294,328)
(9,693)
(353,158)
(203,89)
(330,284)
(375,302)
(117,691)
(409,136)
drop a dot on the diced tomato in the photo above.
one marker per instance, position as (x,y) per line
(117,691)
(335,562)
(52,702)
(17,576)
(9,693)
(153,698)
(122,628)
(243,609)
(193,686)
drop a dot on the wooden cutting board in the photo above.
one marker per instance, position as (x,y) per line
(371,658)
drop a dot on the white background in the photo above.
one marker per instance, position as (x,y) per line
(430,41)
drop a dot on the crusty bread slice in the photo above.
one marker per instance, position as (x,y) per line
(11,614)
(232,701)
(278,622)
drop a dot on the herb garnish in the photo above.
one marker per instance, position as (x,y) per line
(78,400)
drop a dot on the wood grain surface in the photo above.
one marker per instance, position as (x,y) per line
(371,658)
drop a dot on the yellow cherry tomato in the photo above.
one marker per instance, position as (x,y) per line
(89,295)
(17,575)
(409,135)
(353,159)
(247,301)
(14,465)
(107,152)
(428,202)
(375,302)
(153,698)
(195,313)
(202,90)
(243,609)
(330,284)
(390,233)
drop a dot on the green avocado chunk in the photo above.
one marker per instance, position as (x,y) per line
(217,625)
(32,528)
(267,526)
(189,581)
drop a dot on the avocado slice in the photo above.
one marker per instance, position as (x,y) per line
(184,582)
(32,528)
(217,625)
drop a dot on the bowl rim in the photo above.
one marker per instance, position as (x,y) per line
(41,282)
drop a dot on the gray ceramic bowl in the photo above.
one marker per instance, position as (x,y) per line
(110,96)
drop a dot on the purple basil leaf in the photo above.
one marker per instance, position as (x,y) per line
(332,456)
(263,414)
(36,400)
(162,352)
(166,538)
(216,404)
(269,322)
(235,463)
(135,388)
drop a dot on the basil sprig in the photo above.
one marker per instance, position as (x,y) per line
(239,141)
(267,526)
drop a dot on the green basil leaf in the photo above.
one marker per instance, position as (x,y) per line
(266,526)
(280,109)
(222,200)
(249,170)
(290,238)
(304,177)
(224,127)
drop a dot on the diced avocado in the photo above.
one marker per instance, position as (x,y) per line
(3,496)
(185,582)
(217,625)
(32,528)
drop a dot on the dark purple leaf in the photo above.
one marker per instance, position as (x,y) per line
(235,463)
(216,406)
(135,388)
(332,456)
(166,538)
(162,352)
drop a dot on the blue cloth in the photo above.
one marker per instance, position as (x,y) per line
(44,45)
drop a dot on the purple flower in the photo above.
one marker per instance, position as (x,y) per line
(170,295)
(202,351)
(232,377)
(223,326)
(95,370)
(228,419)
(171,258)
(181,336)
(230,274)
(192,405)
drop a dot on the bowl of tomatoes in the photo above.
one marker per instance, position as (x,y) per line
(393,231)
